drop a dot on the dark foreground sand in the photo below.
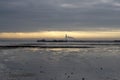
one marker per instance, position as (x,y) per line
(98,63)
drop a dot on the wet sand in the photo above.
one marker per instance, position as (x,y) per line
(99,63)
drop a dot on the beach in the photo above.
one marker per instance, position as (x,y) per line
(96,62)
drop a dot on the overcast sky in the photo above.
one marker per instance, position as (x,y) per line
(59,15)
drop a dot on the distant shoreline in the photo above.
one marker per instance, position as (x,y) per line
(44,40)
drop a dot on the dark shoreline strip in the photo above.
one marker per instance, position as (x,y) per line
(17,46)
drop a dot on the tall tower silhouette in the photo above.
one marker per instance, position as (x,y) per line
(66,37)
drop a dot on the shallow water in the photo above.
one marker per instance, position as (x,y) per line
(99,63)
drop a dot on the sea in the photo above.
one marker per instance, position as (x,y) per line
(99,61)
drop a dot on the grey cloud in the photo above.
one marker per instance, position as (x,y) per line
(35,15)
